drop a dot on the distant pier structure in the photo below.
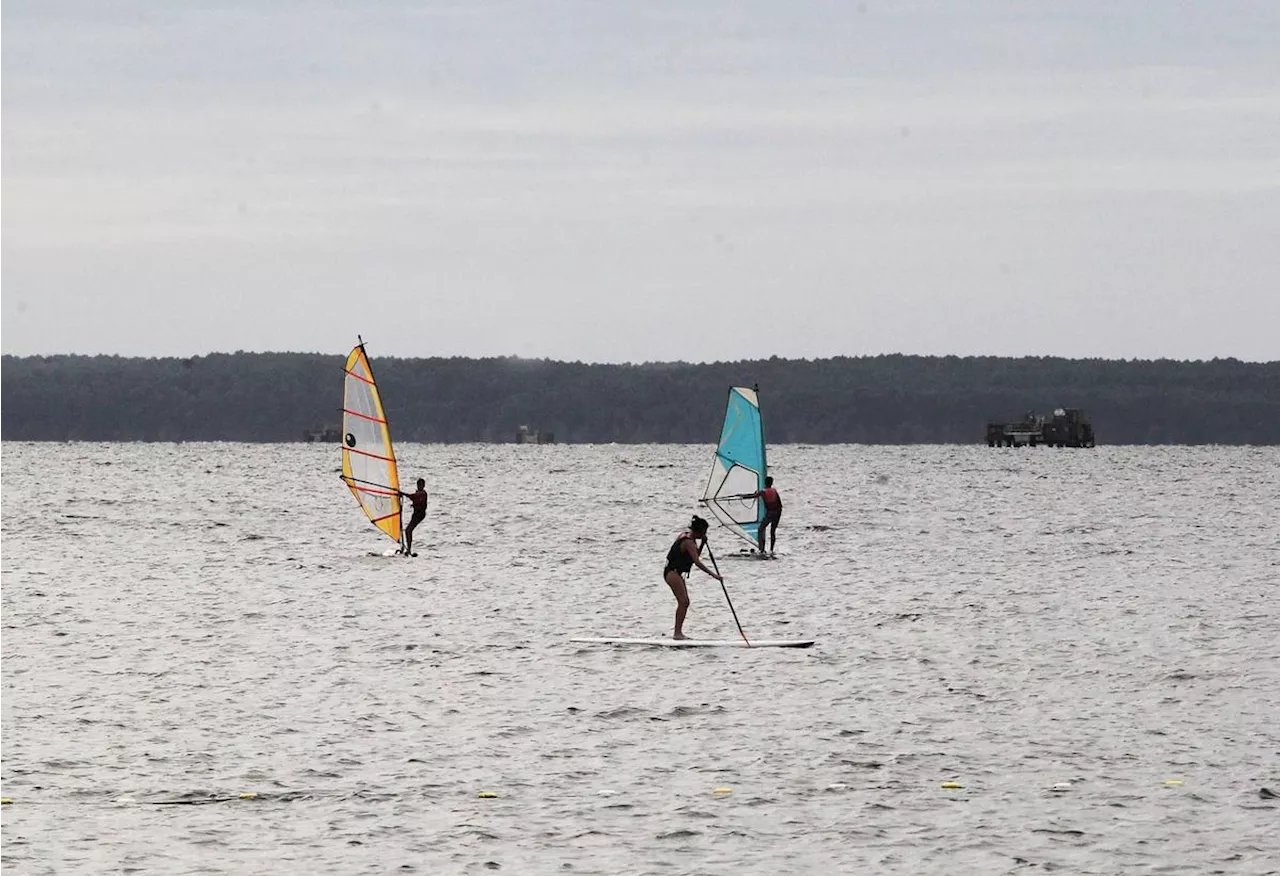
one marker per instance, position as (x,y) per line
(322,436)
(1068,427)
(525,435)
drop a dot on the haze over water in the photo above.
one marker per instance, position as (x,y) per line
(186,623)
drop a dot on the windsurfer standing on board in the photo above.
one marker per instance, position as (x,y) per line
(419,500)
(772,514)
(681,557)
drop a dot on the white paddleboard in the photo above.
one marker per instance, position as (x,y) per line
(701,643)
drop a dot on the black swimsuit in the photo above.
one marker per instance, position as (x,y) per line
(419,501)
(678,559)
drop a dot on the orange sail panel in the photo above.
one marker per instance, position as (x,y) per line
(368,459)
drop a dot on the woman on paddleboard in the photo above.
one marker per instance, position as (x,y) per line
(681,557)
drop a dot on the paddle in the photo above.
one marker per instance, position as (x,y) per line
(710,554)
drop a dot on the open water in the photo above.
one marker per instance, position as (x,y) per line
(184,624)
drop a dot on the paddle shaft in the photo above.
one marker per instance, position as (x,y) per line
(715,566)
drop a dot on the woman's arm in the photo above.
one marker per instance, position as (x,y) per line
(692,552)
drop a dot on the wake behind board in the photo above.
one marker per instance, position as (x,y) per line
(701,643)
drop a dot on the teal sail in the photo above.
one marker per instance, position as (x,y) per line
(738,468)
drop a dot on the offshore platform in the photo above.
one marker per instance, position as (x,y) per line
(1068,427)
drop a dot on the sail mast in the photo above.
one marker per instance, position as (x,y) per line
(764,447)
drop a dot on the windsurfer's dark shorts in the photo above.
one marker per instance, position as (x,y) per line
(771,518)
(418,517)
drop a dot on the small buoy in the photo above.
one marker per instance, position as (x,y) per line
(1061,786)
(1173,781)
(723,791)
(953,786)
(248,795)
(837,786)
(5,801)
(605,792)
(487,795)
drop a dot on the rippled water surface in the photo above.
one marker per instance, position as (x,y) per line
(185,624)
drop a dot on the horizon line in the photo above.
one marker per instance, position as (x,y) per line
(649,362)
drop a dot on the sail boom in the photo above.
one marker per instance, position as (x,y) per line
(377,491)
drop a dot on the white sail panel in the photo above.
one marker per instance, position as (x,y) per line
(368,458)
(728,497)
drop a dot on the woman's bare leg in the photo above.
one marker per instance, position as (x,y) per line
(681,591)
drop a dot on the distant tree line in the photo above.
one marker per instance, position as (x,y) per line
(872,400)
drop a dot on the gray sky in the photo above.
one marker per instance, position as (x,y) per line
(643,181)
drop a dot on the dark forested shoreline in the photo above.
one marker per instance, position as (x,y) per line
(874,400)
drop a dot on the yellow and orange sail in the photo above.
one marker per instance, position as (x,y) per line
(368,459)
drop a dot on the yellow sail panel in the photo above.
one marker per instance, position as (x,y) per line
(368,460)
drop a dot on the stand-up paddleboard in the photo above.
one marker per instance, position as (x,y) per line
(701,643)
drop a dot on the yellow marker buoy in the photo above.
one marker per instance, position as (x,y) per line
(248,795)
(1173,781)
(723,791)
(5,801)
(953,786)
(487,795)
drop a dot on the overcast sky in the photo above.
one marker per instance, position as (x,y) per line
(636,181)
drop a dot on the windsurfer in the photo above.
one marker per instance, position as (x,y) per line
(419,500)
(681,558)
(772,514)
